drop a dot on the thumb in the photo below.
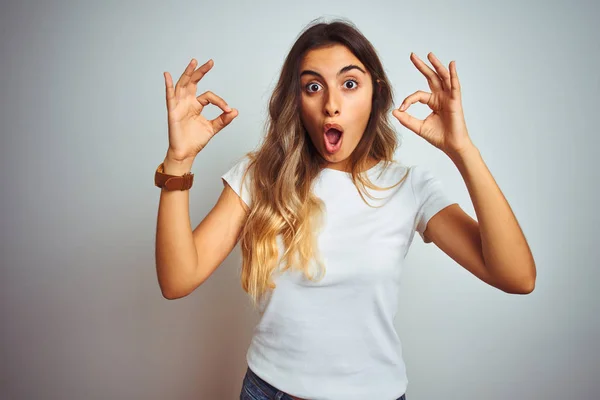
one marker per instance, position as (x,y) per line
(223,120)
(408,121)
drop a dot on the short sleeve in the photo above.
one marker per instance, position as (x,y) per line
(429,195)
(234,178)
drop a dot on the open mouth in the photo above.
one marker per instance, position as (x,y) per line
(333,136)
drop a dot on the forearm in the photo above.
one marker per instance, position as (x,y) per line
(176,256)
(505,250)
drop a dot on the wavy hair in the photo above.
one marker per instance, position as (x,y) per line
(285,165)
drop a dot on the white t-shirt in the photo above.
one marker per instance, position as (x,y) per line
(335,339)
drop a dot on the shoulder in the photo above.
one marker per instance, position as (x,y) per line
(419,172)
(391,171)
(238,176)
(420,177)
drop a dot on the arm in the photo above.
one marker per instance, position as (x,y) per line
(186,258)
(493,248)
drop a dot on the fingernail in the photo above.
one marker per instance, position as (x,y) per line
(228,109)
(402,107)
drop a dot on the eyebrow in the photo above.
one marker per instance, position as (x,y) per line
(345,69)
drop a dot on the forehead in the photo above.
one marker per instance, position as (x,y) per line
(329,60)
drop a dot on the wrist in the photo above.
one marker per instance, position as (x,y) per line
(172,166)
(465,152)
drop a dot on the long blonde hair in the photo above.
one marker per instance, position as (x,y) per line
(286,163)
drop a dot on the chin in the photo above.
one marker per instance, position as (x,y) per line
(332,159)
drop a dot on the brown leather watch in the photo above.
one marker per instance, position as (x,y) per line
(172,182)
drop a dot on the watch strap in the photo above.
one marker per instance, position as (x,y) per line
(172,182)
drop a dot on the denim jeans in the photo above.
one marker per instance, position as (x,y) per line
(254,388)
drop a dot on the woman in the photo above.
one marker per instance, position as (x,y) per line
(325,216)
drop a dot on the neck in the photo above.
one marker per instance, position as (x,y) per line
(344,165)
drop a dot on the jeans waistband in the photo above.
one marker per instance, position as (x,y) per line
(271,390)
(263,385)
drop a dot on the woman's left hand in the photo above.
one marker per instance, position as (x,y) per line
(445,127)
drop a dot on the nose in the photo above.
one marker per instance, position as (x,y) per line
(332,103)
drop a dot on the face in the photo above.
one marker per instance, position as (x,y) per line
(336,89)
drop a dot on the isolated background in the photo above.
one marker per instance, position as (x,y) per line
(83,125)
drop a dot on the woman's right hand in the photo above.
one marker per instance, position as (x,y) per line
(189,131)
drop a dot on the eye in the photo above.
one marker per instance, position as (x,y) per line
(312,85)
(354,84)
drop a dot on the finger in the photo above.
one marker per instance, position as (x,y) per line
(170,91)
(409,121)
(432,78)
(198,74)
(185,77)
(418,96)
(441,71)
(210,98)
(455,88)
(223,120)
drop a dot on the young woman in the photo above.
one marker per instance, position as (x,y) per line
(325,215)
